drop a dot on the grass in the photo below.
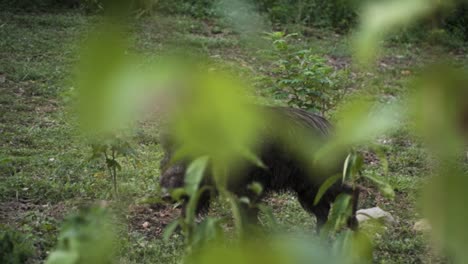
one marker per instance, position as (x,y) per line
(44,169)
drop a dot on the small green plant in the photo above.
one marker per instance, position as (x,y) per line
(111,150)
(301,78)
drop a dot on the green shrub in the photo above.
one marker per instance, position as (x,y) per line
(457,21)
(196,8)
(340,14)
(302,78)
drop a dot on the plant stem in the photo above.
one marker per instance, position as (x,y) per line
(114,175)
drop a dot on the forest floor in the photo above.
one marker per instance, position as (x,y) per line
(45,174)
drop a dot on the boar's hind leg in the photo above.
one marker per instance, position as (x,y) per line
(203,204)
(354,193)
(249,217)
(320,211)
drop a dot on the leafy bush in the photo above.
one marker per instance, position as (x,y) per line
(457,21)
(340,14)
(14,247)
(301,78)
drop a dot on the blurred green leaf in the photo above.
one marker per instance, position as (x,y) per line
(339,214)
(355,245)
(273,250)
(85,238)
(178,193)
(352,167)
(170,229)
(383,186)
(252,157)
(444,203)
(102,62)
(255,187)
(268,212)
(439,110)
(361,121)
(324,187)
(216,119)
(379,18)
(194,174)
(207,231)
(382,157)
(62,257)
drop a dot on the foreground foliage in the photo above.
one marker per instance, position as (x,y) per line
(34,171)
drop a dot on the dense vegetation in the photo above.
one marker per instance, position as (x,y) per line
(66,68)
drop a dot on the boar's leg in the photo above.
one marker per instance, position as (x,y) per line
(203,204)
(321,210)
(354,193)
(249,218)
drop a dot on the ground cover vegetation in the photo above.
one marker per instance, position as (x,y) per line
(67,199)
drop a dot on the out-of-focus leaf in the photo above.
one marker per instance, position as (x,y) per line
(207,231)
(339,214)
(383,186)
(355,245)
(86,237)
(276,250)
(178,193)
(62,257)
(325,186)
(242,16)
(252,157)
(170,229)
(439,108)
(353,164)
(444,203)
(236,213)
(215,118)
(113,86)
(194,174)
(102,61)
(245,200)
(255,187)
(382,158)
(379,18)
(360,121)
(346,167)
(269,215)
(191,207)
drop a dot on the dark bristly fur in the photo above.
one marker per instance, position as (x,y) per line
(286,170)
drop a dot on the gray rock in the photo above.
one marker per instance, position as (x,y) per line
(375,213)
